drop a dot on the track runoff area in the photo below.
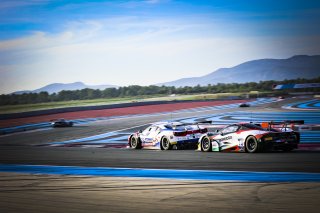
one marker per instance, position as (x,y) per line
(88,167)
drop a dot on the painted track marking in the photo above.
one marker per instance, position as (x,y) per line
(209,175)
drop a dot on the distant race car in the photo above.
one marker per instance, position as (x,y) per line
(61,123)
(244,105)
(248,137)
(166,135)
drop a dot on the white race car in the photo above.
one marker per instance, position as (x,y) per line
(166,135)
(248,137)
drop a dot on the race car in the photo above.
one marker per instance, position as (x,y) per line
(244,105)
(166,135)
(61,123)
(249,137)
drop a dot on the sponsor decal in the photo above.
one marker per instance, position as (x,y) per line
(224,139)
(148,140)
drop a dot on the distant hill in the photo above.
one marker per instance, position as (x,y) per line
(301,66)
(57,87)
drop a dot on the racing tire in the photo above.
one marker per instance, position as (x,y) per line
(165,144)
(135,142)
(252,144)
(206,145)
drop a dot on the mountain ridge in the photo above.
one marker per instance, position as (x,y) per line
(298,66)
(57,87)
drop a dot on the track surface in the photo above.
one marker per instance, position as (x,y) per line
(115,112)
(297,161)
(52,193)
(27,147)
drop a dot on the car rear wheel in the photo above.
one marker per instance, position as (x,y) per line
(252,144)
(135,143)
(206,145)
(165,144)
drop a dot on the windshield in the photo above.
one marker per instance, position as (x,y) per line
(230,129)
(147,130)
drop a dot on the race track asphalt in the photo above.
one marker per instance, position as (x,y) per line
(23,192)
(296,161)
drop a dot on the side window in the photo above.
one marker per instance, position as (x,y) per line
(153,129)
(225,130)
(147,130)
(229,129)
(158,130)
(234,128)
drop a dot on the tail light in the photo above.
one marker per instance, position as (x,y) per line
(179,133)
(193,131)
(198,131)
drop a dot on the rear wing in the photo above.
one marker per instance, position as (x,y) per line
(288,122)
(203,122)
(209,126)
(198,123)
(281,124)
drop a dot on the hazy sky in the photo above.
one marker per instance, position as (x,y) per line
(126,42)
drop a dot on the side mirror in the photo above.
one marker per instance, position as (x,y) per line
(140,131)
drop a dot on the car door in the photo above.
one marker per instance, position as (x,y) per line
(148,135)
(154,133)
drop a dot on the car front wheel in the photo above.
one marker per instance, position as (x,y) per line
(135,143)
(206,145)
